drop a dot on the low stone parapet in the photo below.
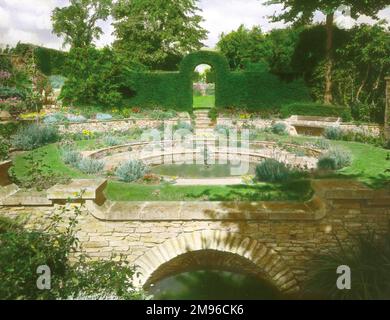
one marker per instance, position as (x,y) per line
(79,190)
(4,175)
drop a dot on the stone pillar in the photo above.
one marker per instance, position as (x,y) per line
(387,110)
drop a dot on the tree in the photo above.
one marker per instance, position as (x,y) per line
(302,11)
(242,46)
(77,23)
(157,33)
(97,76)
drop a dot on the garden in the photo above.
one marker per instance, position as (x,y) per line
(270,116)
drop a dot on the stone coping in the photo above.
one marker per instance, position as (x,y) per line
(206,210)
(78,189)
(97,154)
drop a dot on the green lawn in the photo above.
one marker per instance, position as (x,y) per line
(295,191)
(204,102)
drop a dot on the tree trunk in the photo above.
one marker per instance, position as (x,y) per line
(328,96)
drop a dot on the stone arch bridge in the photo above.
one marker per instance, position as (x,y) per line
(274,241)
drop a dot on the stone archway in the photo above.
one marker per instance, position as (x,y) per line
(218,249)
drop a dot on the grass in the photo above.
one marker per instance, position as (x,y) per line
(293,191)
(204,102)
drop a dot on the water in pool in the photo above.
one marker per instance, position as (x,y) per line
(198,170)
(213,285)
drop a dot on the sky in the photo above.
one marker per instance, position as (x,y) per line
(29,20)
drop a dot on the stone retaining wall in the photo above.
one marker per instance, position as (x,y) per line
(312,126)
(116,125)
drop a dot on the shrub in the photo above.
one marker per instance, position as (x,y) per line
(333,133)
(279,128)
(7,92)
(75,118)
(55,118)
(131,171)
(271,170)
(315,109)
(22,251)
(4,149)
(335,159)
(112,141)
(35,136)
(326,163)
(163,115)
(71,157)
(341,157)
(213,114)
(90,166)
(183,126)
(322,144)
(368,257)
(103,117)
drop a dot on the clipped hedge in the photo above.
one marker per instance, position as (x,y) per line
(49,61)
(251,90)
(315,109)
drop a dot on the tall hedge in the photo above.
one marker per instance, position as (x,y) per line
(49,61)
(252,90)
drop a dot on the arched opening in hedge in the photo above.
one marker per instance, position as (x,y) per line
(217,62)
(203,87)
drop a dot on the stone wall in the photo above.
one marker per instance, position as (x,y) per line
(276,245)
(317,127)
(116,125)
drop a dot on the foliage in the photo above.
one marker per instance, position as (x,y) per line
(90,166)
(34,136)
(333,133)
(159,114)
(335,159)
(271,170)
(157,33)
(23,251)
(77,23)
(4,149)
(361,66)
(367,255)
(7,129)
(103,117)
(96,77)
(12,92)
(131,171)
(111,140)
(315,109)
(181,125)
(242,46)
(279,128)
(71,157)
(303,11)
(326,163)
(213,114)
(322,144)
